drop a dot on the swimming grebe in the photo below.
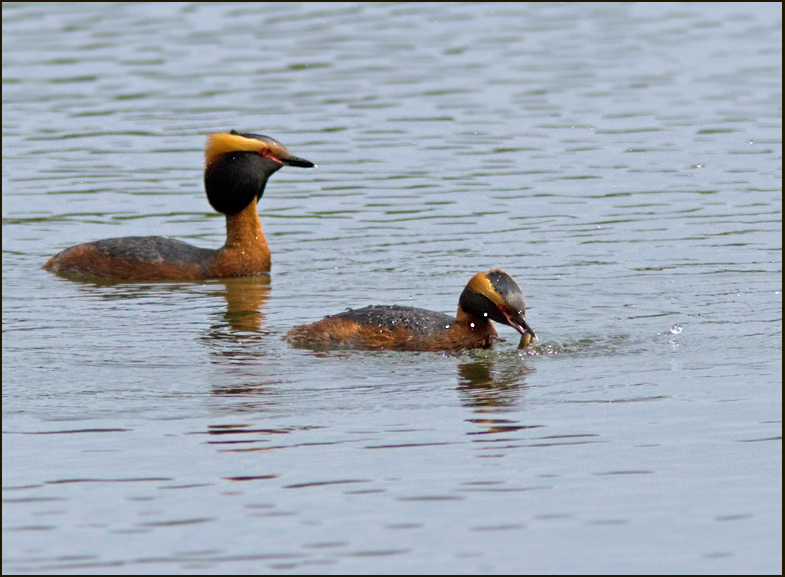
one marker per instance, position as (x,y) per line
(237,166)
(488,296)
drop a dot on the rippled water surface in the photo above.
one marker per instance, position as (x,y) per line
(622,161)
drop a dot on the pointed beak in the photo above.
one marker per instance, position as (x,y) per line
(297,161)
(518,322)
(527,333)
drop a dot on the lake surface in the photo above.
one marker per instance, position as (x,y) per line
(622,161)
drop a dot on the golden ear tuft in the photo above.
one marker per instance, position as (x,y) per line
(482,285)
(223,142)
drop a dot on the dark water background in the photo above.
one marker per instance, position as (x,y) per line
(622,161)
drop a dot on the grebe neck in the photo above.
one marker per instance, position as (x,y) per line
(244,228)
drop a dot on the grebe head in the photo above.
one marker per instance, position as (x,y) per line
(495,295)
(237,166)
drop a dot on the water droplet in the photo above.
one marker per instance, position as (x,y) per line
(676,329)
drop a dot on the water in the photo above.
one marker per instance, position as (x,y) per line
(622,161)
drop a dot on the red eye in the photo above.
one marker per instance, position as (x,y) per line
(267,153)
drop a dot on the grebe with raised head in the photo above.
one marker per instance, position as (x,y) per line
(237,166)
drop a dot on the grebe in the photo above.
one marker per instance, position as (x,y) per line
(489,296)
(237,166)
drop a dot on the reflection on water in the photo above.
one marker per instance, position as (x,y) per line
(621,160)
(246,299)
(238,342)
(492,384)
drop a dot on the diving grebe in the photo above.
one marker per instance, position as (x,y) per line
(237,166)
(491,296)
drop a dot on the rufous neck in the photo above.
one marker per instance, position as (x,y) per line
(244,228)
(463,317)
